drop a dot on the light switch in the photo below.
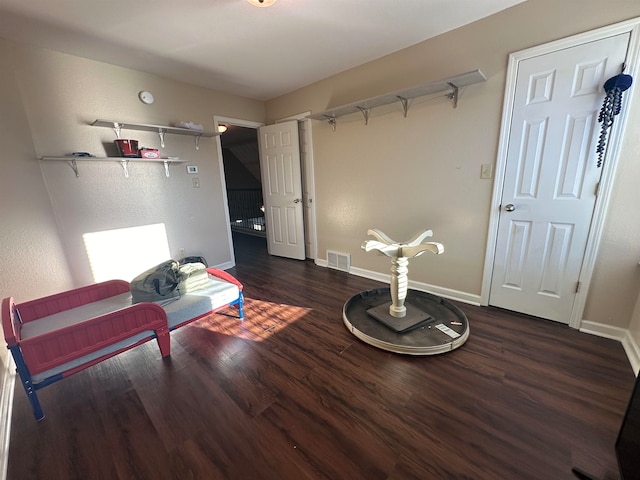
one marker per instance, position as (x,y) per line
(486,171)
(196,182)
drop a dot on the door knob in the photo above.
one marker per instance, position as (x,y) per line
(510,207)
(297,200)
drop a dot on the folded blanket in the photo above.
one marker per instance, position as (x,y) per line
(193,276)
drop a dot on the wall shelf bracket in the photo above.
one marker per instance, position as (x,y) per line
(125,166)
(161,132)
(365,114)
(453,96)
(405,104)
(117,128)
(331,120)
(74,166)
(166,168)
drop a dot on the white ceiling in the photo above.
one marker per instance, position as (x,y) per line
(231,46)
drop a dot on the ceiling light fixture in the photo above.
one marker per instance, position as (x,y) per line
(261,3)
(222,128)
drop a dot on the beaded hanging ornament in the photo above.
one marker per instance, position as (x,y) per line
(610,108)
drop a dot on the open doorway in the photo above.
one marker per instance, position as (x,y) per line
(239,149)
(241,163)
(242,174)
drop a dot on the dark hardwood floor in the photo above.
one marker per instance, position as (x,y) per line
(291,394)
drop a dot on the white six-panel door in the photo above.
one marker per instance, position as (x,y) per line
(282,189)
(551,177)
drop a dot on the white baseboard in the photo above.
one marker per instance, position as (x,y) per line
(615,333)
(632,351)
(6,405)
(602,330)
(225,266)
(448,293)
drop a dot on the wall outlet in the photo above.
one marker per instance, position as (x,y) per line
(486,171)
(196,183)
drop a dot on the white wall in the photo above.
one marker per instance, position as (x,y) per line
(32,260)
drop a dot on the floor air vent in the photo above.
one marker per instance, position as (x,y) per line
(339,261)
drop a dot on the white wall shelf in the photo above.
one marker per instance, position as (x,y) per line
(124,162)
(449,86)
(118,126)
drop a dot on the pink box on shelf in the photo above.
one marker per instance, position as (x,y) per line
(149,153)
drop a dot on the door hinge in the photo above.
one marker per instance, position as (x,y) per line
(578,286)
(597,189)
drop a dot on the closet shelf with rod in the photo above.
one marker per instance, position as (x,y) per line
(449,86)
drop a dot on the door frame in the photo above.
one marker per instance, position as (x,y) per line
(616,135)
(217,120)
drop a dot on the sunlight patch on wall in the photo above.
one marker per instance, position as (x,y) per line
(126,252)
